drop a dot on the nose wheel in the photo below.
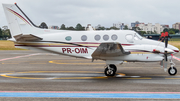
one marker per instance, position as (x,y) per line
(172,71)
(110,70)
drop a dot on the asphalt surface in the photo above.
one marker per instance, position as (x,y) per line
(32,71)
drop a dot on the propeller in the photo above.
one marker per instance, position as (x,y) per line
(165,51)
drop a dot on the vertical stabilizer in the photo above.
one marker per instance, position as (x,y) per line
(18,22)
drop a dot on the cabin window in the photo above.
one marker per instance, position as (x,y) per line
(114,37)
(68,38)
(97,37)
(106,37)
(84,38)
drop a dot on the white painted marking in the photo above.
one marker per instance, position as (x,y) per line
(19,57)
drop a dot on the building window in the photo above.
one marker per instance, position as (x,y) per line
(97,37)
(84,38)
(114,37)
(106,37)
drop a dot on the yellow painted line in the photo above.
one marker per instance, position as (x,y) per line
(105,77)
(7,75)
(136,78)
(61,72)
(121,74)
(62,62)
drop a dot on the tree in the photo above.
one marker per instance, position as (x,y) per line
(166,30)
(79,27)
(115,28)
(43,25)
(101,28)
(63,27)
(136,29)
(70,28)
(1,36)
(171,32)
(142,33)
(125,27)
(175,30)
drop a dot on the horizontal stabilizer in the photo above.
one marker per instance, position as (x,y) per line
(109,50)
(28,37)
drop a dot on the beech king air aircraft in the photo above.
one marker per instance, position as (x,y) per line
(113,47)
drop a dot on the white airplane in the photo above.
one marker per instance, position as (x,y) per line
(114,46)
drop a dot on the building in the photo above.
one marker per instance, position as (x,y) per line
(149,28)
(176,26)
(165,26)
(89,28)
(53,27)
(134,24)
(119,25)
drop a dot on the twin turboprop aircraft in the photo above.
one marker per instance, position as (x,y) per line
(113,47)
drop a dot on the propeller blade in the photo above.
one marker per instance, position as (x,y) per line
(166,42)
(165,56)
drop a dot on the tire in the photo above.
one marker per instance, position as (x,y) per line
(172,71)
(107,73)
(114,67)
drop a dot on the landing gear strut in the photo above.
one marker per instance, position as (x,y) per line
(110,70)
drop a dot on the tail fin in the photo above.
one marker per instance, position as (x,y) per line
(18,22)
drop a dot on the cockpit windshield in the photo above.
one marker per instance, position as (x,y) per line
(138,36)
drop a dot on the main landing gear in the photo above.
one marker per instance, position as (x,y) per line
(110,70)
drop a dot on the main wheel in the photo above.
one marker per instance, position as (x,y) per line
(109,72)
(172,71)
(113,67)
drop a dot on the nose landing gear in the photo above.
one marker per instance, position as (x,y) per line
(110,70)
(172,70)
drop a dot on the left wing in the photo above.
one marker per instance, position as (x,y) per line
(109,50)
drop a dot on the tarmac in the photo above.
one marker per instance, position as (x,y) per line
(31,72)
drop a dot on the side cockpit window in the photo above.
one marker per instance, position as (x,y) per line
(130,38)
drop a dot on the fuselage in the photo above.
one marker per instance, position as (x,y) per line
(83,43)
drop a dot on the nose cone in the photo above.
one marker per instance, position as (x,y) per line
(175,49)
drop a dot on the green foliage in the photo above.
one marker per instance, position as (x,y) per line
(166,30)
(63,27)
(101,28)
(79,27)
(1,35)
(70,28)
(114,28)
(43,25)
(142,33)
(125,27)
(171,32)
(5,33)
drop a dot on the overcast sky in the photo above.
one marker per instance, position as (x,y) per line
(94,12)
